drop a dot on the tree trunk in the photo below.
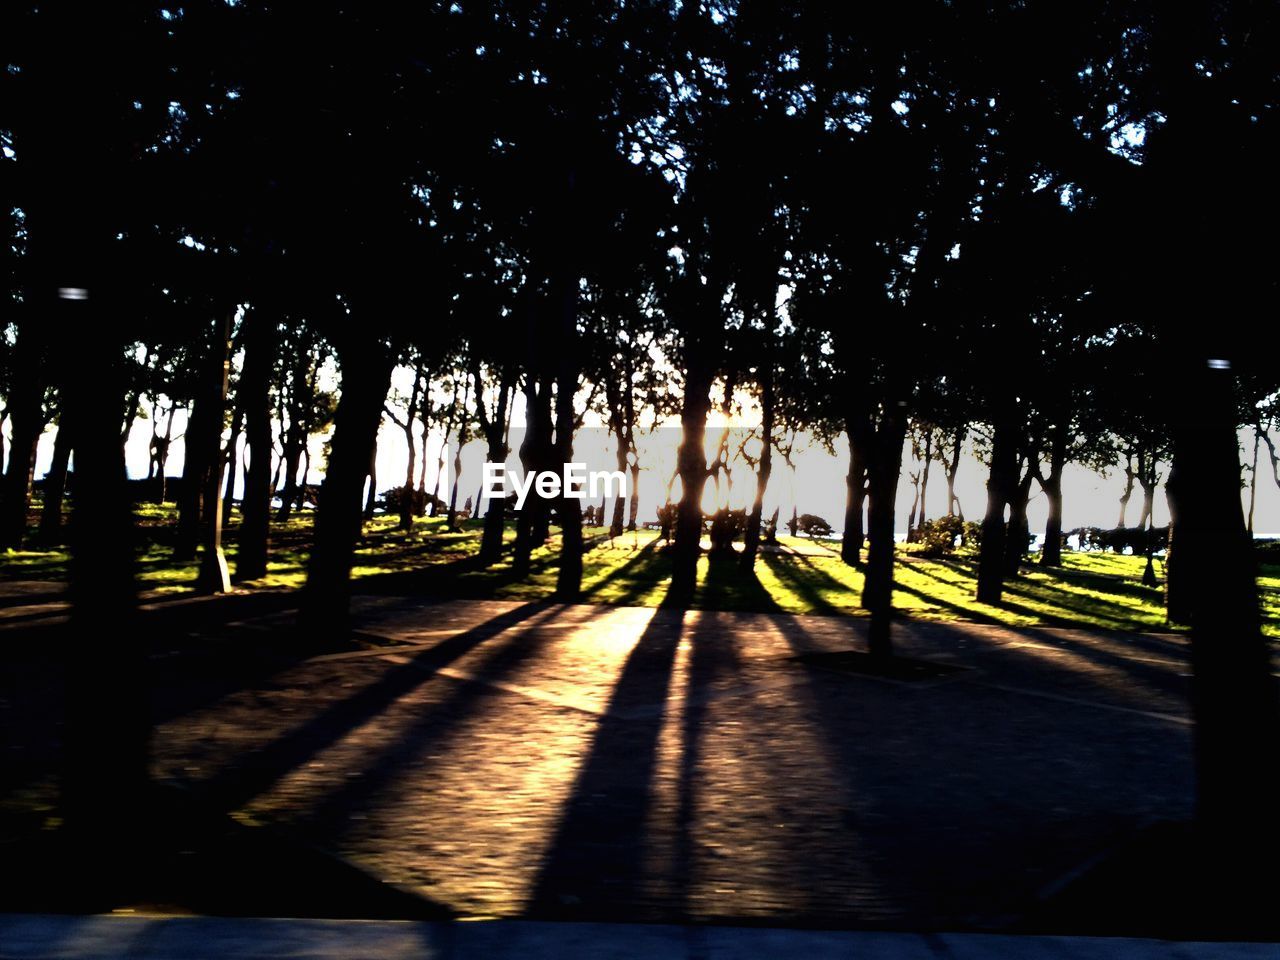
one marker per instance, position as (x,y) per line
(291,457)
(569,508)
(1233,693)
(620,504)
(633,507)
(1148,501)
(924,476)
(1051,551)
(255,387)
(406,499)
(883,469)
(1129,478)
(751,536)
(233,460)
(535,454)
(691,460)
(855,499)
(55,484)
(366,378)
(495,431)
(27,425)
(213,575)
(953,467)
(202,446)
(371,499)
(1000,483)
(452,524)
(1019,531)
(106,732)
(1253,478)
(915,502)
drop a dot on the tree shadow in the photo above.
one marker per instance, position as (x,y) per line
(595,864)
(783,567)
(727,586)
(232,787)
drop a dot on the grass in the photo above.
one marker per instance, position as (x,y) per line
(1091,589)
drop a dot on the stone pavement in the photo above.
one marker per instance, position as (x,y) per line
(581,762)
(206,938)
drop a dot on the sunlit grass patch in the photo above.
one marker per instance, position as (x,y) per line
(800,575)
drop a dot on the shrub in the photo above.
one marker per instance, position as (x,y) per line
(726,527)
(812,525)
(940,537)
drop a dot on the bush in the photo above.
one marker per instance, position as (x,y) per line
(393,499)
(726,527)
(812,525)
(940,537)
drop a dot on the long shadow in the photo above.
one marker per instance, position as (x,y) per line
(432,726)
(1158,677)
(638,563)
(595,864)
(804,586)
(727,586)
(713,654)
(234,786)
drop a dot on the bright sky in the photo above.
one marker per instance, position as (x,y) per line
(816,485)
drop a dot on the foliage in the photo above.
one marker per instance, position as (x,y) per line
(940,537)
(811,525)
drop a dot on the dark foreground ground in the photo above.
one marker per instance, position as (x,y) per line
(474,758)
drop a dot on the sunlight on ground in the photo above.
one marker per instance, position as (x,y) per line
(798,576)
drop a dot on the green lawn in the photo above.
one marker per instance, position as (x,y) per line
(1091,589)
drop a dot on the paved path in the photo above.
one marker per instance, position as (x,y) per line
(109,938)
(612,763)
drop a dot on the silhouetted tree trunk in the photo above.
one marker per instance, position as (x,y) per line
(617,417)
(751,536)
(213,575)
(233,459)
(132,399)
(1019,530)
(1129,478)
(366,378)
(914,477)
(569,508)
(202,446)
(924,476)
(55,483)
(371,498)
(452,523)
(691,465)
(535,454)
(291,458)
(255,387)
(26,414)
(1233,693)
(106,733)
(73,153)
(1253,478)
(1148,479)
(160,445)
(953,467)
(633,506)
(855,500)
(884,466)
(406,427)
(1051,552)
(1001,482)
(494,428)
